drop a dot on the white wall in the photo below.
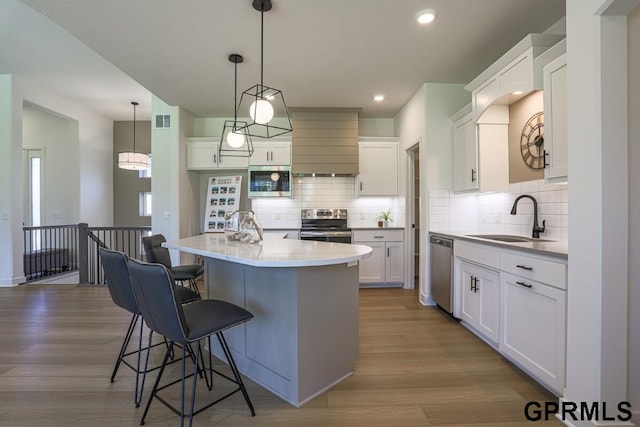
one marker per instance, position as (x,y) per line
(59,139)
(94,199)
(598,196)
(633,378)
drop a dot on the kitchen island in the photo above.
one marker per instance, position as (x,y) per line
(304,296)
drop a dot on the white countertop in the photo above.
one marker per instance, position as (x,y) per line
(550,248)
(273,251)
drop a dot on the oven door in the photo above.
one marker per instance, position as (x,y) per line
(326,236)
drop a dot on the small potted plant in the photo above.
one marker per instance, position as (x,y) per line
(385,217)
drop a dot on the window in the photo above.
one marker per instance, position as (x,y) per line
(145,204)
(145,173)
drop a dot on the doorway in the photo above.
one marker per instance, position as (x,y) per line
(413,213)
(33,168)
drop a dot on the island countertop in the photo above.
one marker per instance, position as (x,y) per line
(273,251)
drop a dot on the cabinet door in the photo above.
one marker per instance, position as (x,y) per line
(533,330)
(394,264)
(261,153)
(281,153)
(480,300)
(202,155)
(469,302)
(372,269)
(555,117)
(489,304)
(465,155)
(231,162)
(378,169)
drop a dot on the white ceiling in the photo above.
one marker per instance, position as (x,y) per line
(320,53)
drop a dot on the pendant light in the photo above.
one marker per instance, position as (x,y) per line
(235,141)
(131,160)
(262,102)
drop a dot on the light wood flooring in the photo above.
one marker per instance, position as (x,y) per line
(417,367)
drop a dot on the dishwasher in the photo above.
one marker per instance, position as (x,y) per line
(441,256)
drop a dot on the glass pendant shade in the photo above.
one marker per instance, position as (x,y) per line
(235,139)
(261,111)
(235,142)
(133,161)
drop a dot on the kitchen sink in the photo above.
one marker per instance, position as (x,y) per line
(511,238)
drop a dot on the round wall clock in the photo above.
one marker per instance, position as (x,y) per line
(532,141)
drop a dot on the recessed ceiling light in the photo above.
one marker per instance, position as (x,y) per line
(517,92)
(426,16)
(378,98)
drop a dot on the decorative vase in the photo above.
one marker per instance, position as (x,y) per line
(380,223)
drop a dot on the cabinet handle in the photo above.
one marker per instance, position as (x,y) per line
(473,177)
(360,185)
(526,285)
(474,284)
(378,237)
(215,158)
(544,156)
(388,253)
(524,267)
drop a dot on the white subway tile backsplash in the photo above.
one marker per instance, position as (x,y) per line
(490,213)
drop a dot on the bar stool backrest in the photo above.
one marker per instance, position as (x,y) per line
(161,308)
(116,273)
(154,251)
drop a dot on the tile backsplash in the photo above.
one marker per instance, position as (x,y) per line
(326,192)
(490,213)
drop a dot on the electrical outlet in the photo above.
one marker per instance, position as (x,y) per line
(167,215)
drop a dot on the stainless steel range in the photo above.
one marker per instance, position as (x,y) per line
(327,225)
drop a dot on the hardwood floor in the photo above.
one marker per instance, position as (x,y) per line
(417,367)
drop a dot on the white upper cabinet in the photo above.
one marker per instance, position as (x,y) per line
(515,71)
(555,114)
(480,150)
(465,151)
(271,152)
(378,168)
(202,154)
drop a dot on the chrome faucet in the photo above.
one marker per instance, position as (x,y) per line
(536,229)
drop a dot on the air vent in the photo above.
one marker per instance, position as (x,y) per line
(163,121)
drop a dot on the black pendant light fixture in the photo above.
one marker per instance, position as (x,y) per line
(269,115)
(235,140)
(131,160)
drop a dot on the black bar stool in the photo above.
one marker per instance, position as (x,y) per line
(184,325)
(155,253)
(116,273)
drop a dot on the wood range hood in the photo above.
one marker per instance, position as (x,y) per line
(324,141)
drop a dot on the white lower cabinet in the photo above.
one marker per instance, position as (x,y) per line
(517,302)
(386,263)
(480,303)
(534,328)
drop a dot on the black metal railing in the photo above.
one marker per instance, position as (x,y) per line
(50,250)
(56,249)
(123,239)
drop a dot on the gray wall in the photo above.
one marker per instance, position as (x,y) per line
(127,186)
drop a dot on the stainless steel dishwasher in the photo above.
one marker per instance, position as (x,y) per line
(441,256)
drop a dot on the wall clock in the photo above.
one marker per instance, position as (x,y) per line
(532,141)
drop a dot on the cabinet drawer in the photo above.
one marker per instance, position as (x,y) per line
(378,235)
(542,270)
(481,254)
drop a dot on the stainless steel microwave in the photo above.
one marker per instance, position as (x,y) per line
(270,181)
